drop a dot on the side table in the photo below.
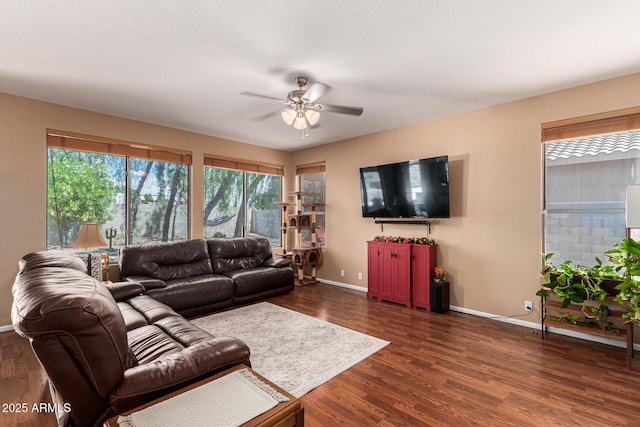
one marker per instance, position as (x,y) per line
(284,414)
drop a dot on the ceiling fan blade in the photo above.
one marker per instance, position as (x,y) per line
(341,109)
(316,91)
(257,95)
(267,116)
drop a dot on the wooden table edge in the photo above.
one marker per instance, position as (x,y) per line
(276,414)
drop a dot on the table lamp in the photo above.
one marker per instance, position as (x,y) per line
(90,236)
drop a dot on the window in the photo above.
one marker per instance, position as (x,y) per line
(88,184)
(159,201)
(585,182)
(311,180)
(239,199)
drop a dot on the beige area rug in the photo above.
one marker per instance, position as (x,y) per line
(293,350)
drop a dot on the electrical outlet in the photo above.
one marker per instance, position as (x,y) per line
(528,306)
(359,276)
(342,273)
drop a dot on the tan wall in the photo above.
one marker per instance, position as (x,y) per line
(23,166)
(491,245)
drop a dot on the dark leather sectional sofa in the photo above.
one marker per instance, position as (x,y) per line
(110,348)
(107,348)
(200,276)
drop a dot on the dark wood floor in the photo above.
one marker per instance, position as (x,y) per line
(440,369)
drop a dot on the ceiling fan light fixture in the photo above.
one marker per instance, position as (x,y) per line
(300,122)
(312,116)
(300,109)
(289,116)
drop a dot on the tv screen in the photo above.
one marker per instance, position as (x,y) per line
(412,189)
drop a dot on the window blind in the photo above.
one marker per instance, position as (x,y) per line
(309,168)
(243,165)
(595,124)
(97,144)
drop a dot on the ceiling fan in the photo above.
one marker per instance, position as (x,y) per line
(301,111)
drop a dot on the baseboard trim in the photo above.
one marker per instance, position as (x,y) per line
(6,328)
(537,327)
(504,319)
(527,324)
(343,285)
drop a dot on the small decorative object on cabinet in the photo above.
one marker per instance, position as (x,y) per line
(303,254)
(401,272)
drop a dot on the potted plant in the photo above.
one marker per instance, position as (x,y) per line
(583,286)
(573,283)
(625,257)
(439,274)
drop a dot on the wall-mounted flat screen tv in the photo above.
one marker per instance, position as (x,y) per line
(412,189)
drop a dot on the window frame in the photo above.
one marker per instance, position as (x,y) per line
(617,121)
(72,141)
(310,169)
(246,166)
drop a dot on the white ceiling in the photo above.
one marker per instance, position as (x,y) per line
(183,64)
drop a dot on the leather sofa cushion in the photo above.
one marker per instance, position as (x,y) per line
(194,291)
(183,331)
(260,279)
(277,262)
(166,260)
(43,259)
(124,290)
(150,343)
(132,317)
(238,253)
(146,282)
(151,309)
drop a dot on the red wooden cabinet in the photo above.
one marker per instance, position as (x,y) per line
(400,273)
(373,269)
(396,272)
(423,264)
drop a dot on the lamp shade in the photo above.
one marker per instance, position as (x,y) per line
(633,206)
(289,116)
(90,236)
(312,116)
(300,122)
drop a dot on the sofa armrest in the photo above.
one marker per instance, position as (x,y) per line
(147,380)
(276,262)
(146,281)
(124,290)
